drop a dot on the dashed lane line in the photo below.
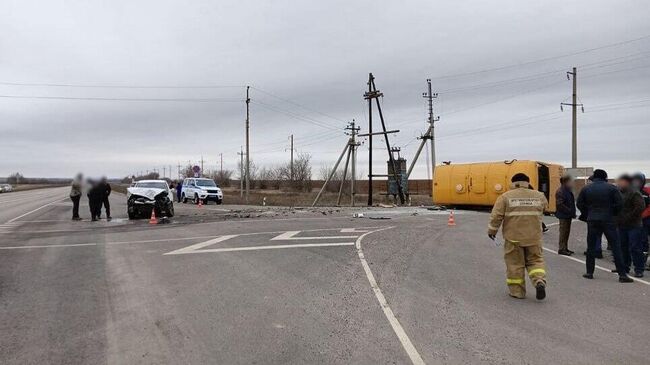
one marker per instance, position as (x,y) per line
(404,339)
(35,210)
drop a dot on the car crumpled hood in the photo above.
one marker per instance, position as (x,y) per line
(149,193)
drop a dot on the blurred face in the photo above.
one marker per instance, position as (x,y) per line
(638,184)
(622,183)
(569,183)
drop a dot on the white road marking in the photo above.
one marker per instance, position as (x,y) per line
(272,247)
(35,210)
(408,346)
(289,235)
(46,246)
(198,246)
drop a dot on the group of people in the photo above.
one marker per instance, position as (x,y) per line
(98,193)
(620,212)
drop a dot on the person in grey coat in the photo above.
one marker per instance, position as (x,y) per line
(75,196)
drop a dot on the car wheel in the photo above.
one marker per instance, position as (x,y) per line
(184,199)
(196,198)
(131,216)
(170,211)
(219,201)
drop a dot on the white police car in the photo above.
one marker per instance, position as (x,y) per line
(196,189)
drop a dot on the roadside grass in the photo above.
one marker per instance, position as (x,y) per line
(298,199)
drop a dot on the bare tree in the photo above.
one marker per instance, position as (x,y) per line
(15,178)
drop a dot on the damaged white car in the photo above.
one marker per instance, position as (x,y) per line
(147,195)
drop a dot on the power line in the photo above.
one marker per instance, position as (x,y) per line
(104,86)
(542,59)
(194,100)
(294,115)
(297,104)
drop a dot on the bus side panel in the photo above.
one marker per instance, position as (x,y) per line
(442,191)
(477,189)
(458,184)
(498,181)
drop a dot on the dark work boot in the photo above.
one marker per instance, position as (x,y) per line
(588,276)
(625,279)
(541,291)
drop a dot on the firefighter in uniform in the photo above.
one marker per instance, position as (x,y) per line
(520,210)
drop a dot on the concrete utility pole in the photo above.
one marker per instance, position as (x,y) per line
(241,171)
(353,164)
(369,140)
(179,170)
(164,172)
(292,158)
(221,168)
(248,151)
(430,96)
(574,116)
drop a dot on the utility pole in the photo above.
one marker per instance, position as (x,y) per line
(248,151)
(574,116)
(221,168)
(353,156)
(164,171)
(201,174)
(179,171)
(241,171)
(369,140)
(430,96)
(375,94)
(292,158)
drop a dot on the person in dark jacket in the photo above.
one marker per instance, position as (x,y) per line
(104,191)
(602,202)
(94,199)
(599,240)
(630,226)
(565,212)
(639,182)
(179,188)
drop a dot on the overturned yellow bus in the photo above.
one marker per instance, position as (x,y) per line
(479,184)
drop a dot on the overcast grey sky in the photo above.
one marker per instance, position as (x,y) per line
(317,55)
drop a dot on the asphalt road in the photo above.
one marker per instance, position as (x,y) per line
(230,285)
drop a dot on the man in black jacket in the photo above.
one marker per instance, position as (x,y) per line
(104,191)
(630,226)
(565,212)
(602,201)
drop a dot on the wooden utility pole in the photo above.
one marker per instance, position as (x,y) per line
(248,151)
(574,116)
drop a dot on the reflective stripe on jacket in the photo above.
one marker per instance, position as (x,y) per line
(520,211)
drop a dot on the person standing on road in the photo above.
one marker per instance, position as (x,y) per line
(630,226)
(565,213)
(602,202)
(179,189)
(520,210)
(639,181)
(104,191)
(75,196)
(94,199)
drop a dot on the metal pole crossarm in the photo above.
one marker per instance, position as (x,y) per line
(376,133)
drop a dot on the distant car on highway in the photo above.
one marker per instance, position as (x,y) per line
(147,195)
(200,189)
(6,188)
